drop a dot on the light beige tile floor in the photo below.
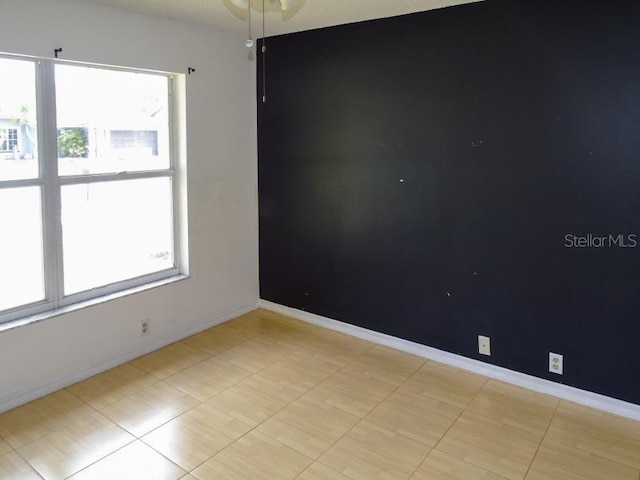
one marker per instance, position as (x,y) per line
(268,397)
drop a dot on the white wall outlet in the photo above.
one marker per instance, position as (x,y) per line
(556,363)
(484,345)
(145,327)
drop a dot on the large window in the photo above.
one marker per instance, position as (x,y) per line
(87,183)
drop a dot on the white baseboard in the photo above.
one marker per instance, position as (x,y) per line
(582,397)
(36,391)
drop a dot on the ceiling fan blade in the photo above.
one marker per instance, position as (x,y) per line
(287,4)
(240,3)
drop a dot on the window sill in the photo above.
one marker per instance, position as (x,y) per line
(29,320)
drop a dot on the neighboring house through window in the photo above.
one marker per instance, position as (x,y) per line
(8,139)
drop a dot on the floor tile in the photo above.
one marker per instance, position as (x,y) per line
(170,360)
(492,444)
(415,416)
(309,427)
(14,467)
(445,383)
(282,330)
(597,432)
(254,456)
(266,323)
(440,466)
(113,385)
(501,429)
(217,339)
(514,406)
(251,410)
(148,409)
(261,321)
(254,399)
(386,364)
(291,338)
(255,354)
(555,461)
(321,362)
(4,447)
(339,345)
(352,393)
(295,375)
(370,452)
(136,461)
(195,436)
(207,378)
(318,471)
(29,422)
(70,449)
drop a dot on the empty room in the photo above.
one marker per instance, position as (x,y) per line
(320,239)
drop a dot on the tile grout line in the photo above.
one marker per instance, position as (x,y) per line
(546,431)
(162,380)
(227,388)
(93,410)
(135,439)
(435,447)
(363,418)
(485,468)
(33,468)
(395,390)
(376,406)
(464,409)
(594,454)
(146,372)
(182,341)
(285,406)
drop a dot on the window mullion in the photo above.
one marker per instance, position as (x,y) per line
(28,182)
(174,134)
(48,154)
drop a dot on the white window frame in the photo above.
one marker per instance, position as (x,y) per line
(51,185)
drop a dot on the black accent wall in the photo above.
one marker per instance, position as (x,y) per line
(419,176)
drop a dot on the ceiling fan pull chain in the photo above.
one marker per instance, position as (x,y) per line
(264,72)
(264,58)
(250,39)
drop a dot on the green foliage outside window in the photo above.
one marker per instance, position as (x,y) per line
(73,143)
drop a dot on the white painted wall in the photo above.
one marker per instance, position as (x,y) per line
(222,179)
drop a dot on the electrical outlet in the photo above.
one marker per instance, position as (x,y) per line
(145,327)
(556,364)
(484,345)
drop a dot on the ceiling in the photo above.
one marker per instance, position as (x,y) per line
(308,14)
